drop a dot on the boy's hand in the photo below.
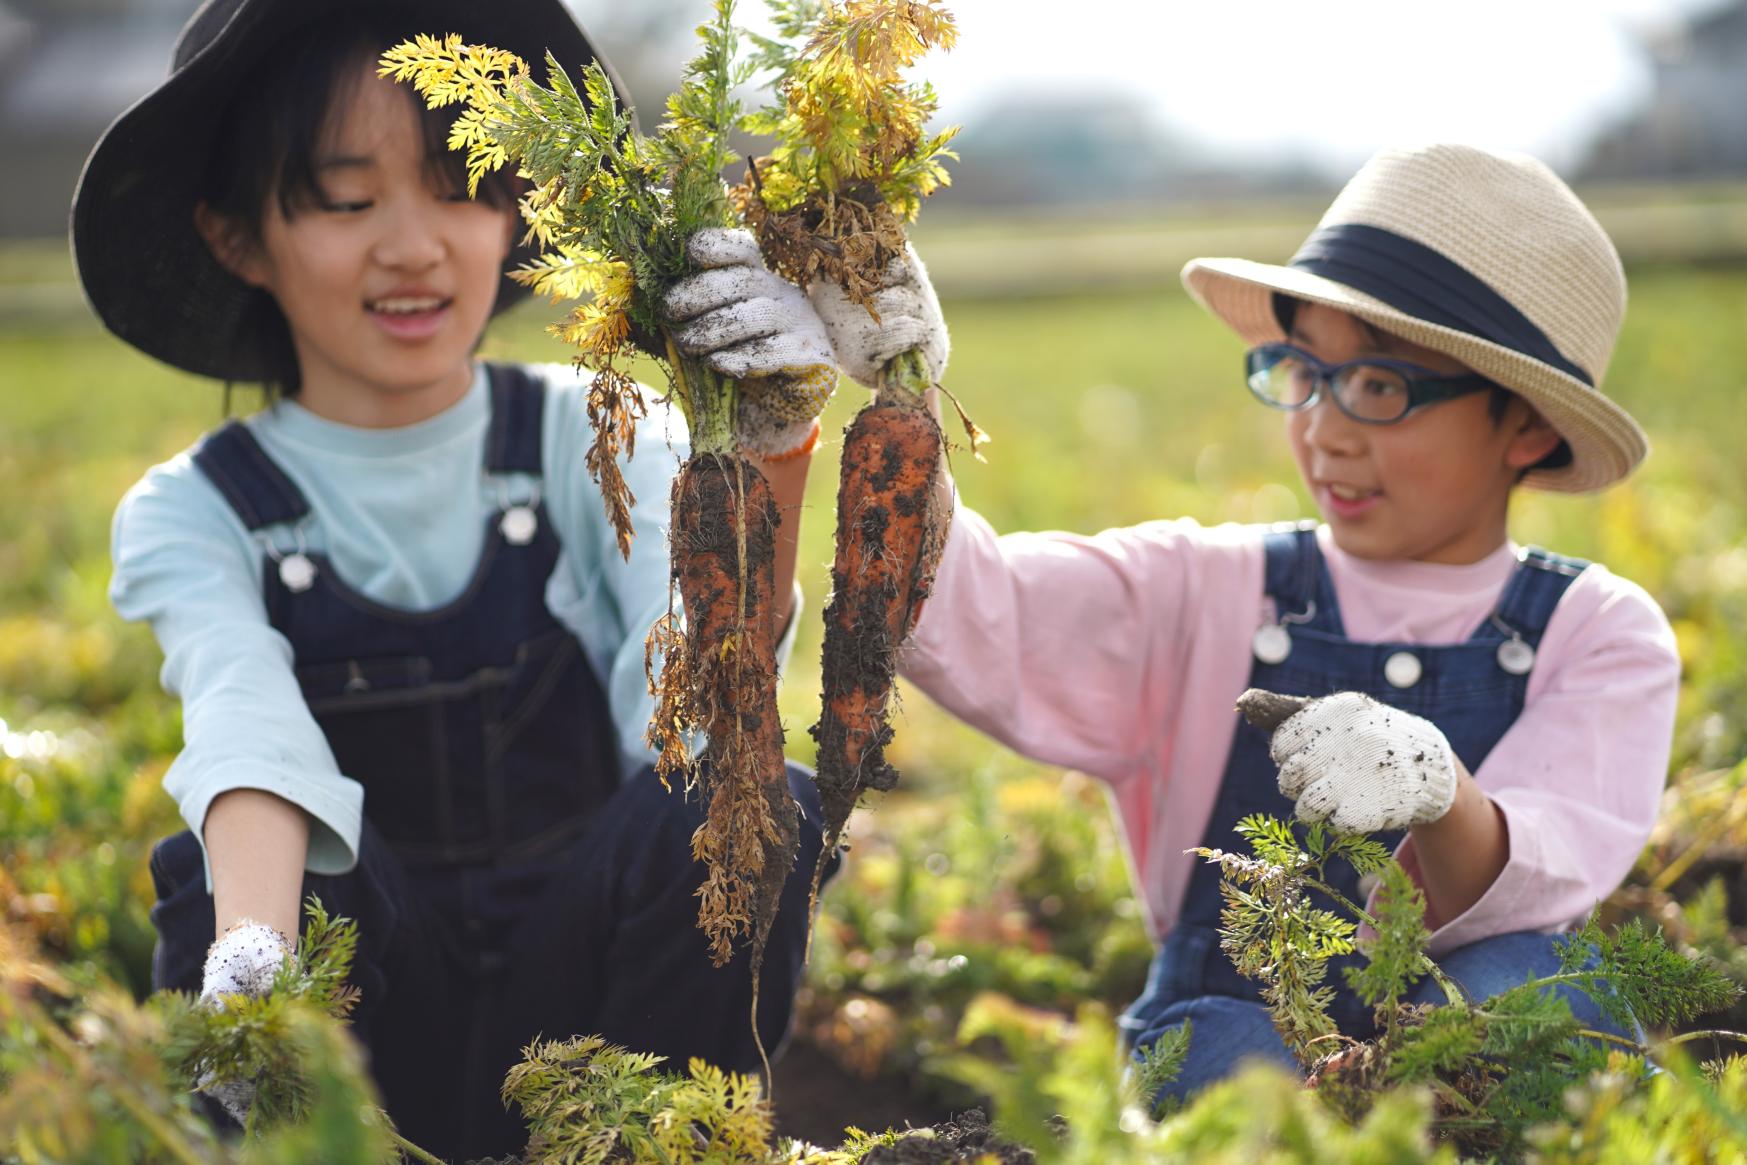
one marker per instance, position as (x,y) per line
(242,962)
(751,324)
(1363,766)
(909,318)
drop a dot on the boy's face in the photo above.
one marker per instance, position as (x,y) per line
(1432,487)
(386,279)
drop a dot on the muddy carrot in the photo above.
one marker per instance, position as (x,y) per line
(888,544)
(720,678)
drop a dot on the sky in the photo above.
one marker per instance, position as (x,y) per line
(1325,81)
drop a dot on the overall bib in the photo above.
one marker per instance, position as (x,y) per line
(1473,692)
(508,882)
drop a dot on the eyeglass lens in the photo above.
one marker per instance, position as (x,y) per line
(1367,391)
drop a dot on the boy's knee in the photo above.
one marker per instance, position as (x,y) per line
(1494,965)
(1224,1033)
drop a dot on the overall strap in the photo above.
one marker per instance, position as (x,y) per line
(1296,578)
(518,408)
(256,488)
(1534,589)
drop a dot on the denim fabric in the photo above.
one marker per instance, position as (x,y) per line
(1462,688)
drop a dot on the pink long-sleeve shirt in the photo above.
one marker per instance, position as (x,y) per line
(1121,654)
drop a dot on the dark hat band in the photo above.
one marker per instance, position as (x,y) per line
(1413,278)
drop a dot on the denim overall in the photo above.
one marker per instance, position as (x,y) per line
(508,883)
(1472,691)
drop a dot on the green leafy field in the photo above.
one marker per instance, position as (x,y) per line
(985,878)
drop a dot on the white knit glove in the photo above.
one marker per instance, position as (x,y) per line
(1363,766)
(755,326)
(909,318)
(242,962)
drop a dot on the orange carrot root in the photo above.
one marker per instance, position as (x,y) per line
(724,542)
(889,538)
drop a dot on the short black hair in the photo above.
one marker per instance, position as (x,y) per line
(266,142)
(1286,311)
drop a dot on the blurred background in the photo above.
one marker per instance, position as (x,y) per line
(1103,144)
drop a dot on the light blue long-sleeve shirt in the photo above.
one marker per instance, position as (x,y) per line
(401,513)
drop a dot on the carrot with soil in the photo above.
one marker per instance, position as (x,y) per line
(615,210)
(849,170)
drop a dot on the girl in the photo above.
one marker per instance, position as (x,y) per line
(409,654)
(1502,716)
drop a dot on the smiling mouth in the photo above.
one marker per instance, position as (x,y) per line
(408,305)
(1348,493)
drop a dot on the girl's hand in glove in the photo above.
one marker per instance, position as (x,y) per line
(909,318)
(751,324)
(1363,766)
(242,962)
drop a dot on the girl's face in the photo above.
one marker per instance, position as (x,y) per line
(1432,487)
(387,277)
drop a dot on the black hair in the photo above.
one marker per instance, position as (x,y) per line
(266,142)
(1498,402)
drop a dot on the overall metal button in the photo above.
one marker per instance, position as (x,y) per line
(297,572)
(1402,669)
(1272,643)
(519,524)
(1516,657)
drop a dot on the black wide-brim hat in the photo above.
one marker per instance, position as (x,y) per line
(145,269)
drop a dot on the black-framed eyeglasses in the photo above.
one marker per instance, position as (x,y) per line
(1375,392)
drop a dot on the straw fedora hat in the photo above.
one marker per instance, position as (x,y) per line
(1485,257)
(144,267)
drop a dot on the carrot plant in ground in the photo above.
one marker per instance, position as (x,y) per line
(1495,1068)
(850,167)
(615,209)
(88,1075)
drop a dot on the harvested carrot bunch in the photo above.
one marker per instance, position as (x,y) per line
(613,210)
(850,168)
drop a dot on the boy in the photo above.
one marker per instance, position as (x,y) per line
(1501,716)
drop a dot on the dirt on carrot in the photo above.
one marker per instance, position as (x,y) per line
(889,539)
(720,679)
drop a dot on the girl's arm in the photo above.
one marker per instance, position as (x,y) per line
(256,845)
(184,564)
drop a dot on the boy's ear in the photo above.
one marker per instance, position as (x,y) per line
(1532,437)
(229,243)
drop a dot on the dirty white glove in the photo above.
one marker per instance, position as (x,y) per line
(755,326)
(1363,766)
(242,962)
(909,318)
